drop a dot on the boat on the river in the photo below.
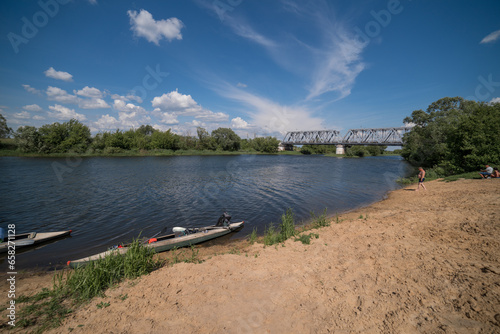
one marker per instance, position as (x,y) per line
(30,239)
(181,237)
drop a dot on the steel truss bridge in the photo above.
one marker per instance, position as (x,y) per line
(382,136)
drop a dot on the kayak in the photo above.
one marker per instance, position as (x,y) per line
(181,237)
(30,239)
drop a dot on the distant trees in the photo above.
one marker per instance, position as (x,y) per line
(455,135)
(361,151)
(350,151)
(226,139)
(4,129)
(54,138)
(73,136)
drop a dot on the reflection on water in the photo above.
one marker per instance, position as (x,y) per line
(109,200)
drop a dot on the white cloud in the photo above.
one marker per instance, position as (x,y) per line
(272,117)
(22,115)
(93,104)
(63,113)
(38,118)
(495,100)
(179,104)
(165,117)
(32,90)
(91,92)
(491,38)
(143,25)
(93,2)
(332,63)
(128,97)
(107,122)
(60,95)
(245,30)
(59,75)
(241,85)
(120,105)
(196,123)
(238,123)
(33,107)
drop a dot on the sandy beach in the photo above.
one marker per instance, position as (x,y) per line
(416,262)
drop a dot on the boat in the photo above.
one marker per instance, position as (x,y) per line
(30,239)
(181,237)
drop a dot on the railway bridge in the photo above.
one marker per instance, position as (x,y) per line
(380,136)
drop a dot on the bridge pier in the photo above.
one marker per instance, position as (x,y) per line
(340,149)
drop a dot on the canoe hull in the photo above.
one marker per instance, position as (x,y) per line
(168,243)
(33,239)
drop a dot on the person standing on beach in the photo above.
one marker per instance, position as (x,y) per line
(421,178)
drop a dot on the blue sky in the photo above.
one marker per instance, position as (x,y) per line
(259,67)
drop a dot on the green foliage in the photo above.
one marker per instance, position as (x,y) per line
(319,221)
(226,139)
(71,136)
(287,226)
(265,144)
(305,150)
(164,140)
(205,141)
(362,151)
(5,131)
(253,236)
(455,135)
(48,308)
(74,137)
(306,238)
(286,229)
(27,139)
(319,149)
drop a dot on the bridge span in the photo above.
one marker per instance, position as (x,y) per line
(380,136)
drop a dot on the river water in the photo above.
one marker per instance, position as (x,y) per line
(106,201)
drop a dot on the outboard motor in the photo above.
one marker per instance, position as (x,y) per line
(224,220)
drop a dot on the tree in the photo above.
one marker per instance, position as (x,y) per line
(5,131)
(226,139)
(265,144)
(27,139)
(455,134)
(165,140)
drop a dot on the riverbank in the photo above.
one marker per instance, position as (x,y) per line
(415,262)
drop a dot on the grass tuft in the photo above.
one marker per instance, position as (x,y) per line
(47,309)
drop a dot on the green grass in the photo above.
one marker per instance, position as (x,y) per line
(253,237)
(286,229)
(71,288)
(306,238)
(319,221)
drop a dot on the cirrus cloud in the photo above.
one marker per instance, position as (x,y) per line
(491,38)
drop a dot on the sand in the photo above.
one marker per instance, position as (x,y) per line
(416,262)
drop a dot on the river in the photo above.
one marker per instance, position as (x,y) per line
(106,201)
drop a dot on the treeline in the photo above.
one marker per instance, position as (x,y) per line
(350,151)
(454,136)
(73,136)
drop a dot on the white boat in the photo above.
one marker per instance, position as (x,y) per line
(30,239)
(181,237)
